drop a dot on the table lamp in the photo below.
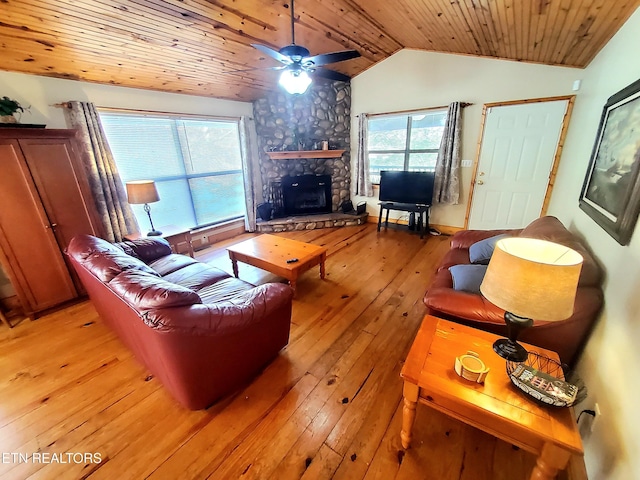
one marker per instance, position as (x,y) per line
(530,279)
(144,191)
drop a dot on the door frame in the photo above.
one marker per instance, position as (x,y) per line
(556,159)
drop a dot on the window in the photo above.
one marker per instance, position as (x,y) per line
(196,164)
(409,141)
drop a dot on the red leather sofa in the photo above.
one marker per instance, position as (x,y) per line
(200,331)
(566,337)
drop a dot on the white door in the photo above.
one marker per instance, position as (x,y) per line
(516,157)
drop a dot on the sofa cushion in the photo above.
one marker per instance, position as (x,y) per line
(145,291)
(467,278)
(171,263)
(107,265)
(196,276)
(224,290)
(146,249)
(454,256)
(481,252)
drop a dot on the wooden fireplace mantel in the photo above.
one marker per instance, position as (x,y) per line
(305,154)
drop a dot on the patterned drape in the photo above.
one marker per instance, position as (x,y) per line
(250,169)
(447,179)
(362,184)
(104,180)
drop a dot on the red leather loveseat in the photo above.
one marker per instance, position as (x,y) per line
(200,331)
(565,337)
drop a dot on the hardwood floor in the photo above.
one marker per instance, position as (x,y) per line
(328,407)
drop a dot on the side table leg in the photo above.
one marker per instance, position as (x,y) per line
(323,257)
(410,392)
(380,218)
(551,460)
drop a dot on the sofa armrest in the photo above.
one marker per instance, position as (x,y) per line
(466,238)
(228,317)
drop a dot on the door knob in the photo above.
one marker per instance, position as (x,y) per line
(480,182)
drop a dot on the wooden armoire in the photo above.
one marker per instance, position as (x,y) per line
(45,201)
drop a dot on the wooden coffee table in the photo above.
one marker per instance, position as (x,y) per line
(270,253)
(496,407)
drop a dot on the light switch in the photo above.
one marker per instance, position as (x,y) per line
(466,163)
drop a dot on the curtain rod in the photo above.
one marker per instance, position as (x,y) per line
(462,104)
(62,105)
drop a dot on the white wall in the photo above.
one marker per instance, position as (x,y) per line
(43,92)
(413,79)
(609,361)
(40,93)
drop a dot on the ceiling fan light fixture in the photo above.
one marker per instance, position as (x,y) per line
(295,81)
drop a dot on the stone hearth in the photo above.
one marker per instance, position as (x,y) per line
(311,222)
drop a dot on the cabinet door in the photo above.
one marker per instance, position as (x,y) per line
(30,252)
(61,186)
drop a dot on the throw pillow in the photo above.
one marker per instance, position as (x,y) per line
(480,252)
(467,278)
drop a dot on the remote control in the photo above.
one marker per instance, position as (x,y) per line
(292,260)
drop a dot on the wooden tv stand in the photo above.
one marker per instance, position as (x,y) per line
(423,210)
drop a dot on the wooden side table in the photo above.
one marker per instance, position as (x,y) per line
(174,235)
(495,407)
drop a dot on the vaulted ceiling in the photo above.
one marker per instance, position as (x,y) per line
(187,46)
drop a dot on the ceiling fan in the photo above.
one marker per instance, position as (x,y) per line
(298,66)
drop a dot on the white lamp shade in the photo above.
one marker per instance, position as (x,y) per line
(142,191)
(533,278)
(295,81)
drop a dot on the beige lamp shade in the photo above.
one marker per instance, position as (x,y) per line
(533,278)
(142,191)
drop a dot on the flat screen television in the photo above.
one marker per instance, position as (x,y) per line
(406,187)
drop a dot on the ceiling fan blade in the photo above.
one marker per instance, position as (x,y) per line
(281,67)
(272,53)
(334,57)
(330,74)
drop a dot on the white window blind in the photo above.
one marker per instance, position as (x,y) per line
(408,141)
(196,164)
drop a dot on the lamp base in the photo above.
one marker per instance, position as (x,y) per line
(510,350)
(154,233)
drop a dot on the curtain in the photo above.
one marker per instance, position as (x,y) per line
(447,179)
(363,179)
(105,183)
(250,169)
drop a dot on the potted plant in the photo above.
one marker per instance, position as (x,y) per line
(7,109)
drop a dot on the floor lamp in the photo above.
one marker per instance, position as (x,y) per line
(530,279)
(144,192)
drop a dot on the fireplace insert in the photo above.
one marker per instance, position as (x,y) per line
(306,194)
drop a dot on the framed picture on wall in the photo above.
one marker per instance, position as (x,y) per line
(611,190)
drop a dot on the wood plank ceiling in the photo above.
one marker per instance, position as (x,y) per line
(186,46)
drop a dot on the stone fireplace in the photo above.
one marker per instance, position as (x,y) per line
(290,123)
